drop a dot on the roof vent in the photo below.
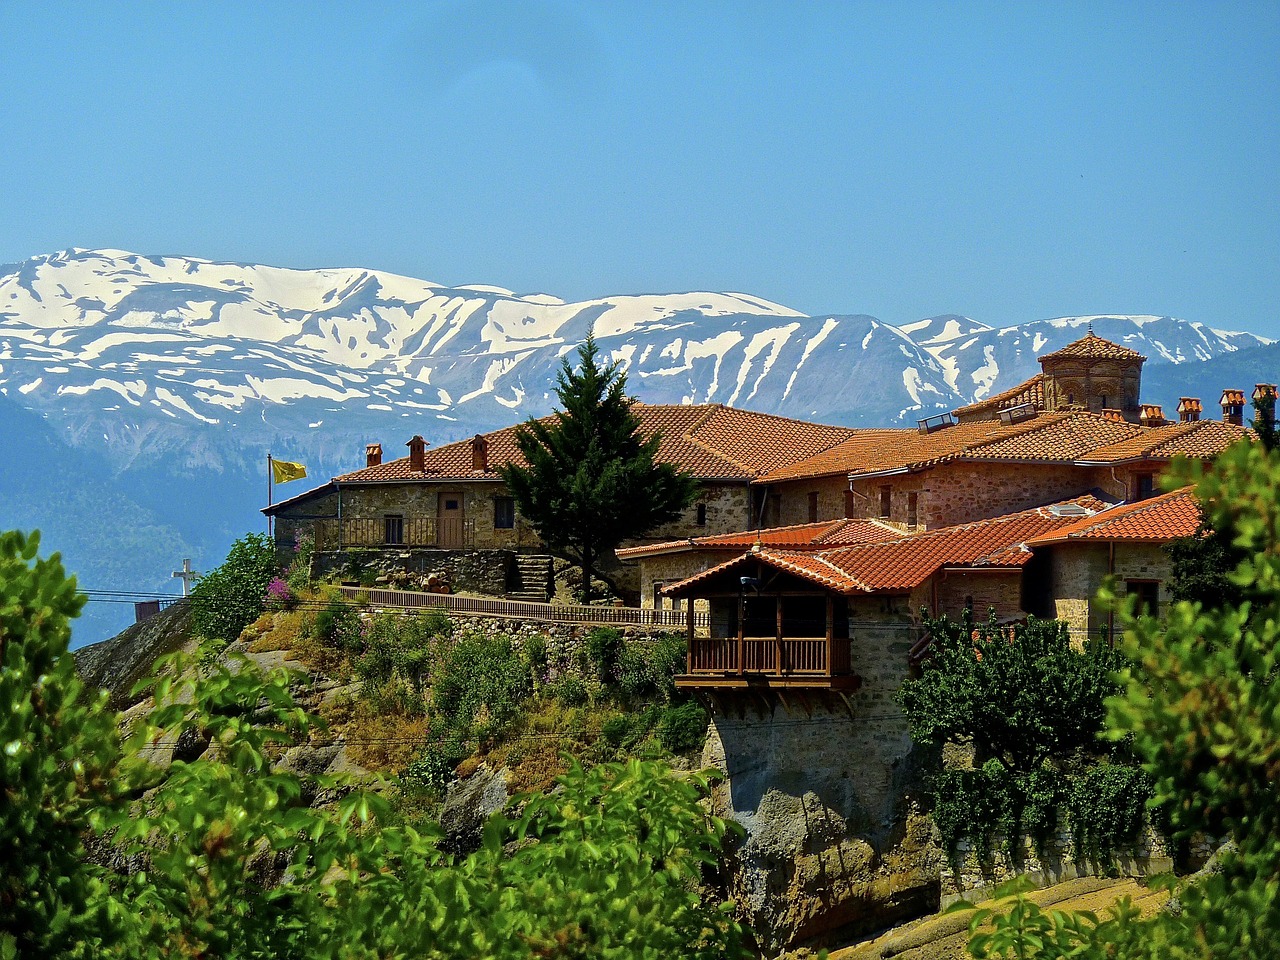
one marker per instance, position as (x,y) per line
(373,454)
(1023,411)
(1152,415)
(1188,409)
(1112,414)
(939,421)
(1068,510)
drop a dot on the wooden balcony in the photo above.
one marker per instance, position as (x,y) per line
(393,532)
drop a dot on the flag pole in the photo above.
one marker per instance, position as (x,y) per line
(268,492)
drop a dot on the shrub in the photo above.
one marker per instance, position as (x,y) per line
(337,625)
(683,728)
(231,596)
(604,646)
(569,690)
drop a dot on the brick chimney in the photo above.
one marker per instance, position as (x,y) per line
(1113,413)
(373,454)
(1265,412)
(1152,416)
(417,454)
(1189,409)
(1233,407)
(479,454)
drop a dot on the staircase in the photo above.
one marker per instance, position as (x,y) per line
(534,578)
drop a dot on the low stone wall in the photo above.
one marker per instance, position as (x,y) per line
(475,571)
(977,876)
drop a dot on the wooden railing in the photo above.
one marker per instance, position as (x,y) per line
(802,656)
(450,533)
(524,610)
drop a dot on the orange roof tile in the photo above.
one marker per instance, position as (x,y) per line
(1065,439)
(996,543)
(713,441)
(1198,440)
(1093,347)
(900,565)
(1157,520)
(802,536)
(1030,391)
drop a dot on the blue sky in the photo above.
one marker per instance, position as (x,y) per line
(1009,161)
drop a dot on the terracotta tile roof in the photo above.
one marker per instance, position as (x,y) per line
(1093,347)
(1061,440)
(809,566)
(1157,520)
(873,451)
(1198,440)
(713,441)
(803,536)
(1030,391)
(990,544)
(900,565)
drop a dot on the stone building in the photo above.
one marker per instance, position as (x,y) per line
(437,504)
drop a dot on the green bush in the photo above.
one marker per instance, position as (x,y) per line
(337,625)
(569,690)
(231,596)
(59,757)
(604,647)
(684,728)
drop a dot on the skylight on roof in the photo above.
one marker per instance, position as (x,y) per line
(1069,510)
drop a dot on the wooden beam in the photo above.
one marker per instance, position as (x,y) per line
(831,627)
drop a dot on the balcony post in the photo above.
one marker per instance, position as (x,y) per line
(782,666)
(742,609)
(689,647)
(831,624)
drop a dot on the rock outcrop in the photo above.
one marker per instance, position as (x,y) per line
(119,663)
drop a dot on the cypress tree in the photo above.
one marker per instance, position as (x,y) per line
(592,479)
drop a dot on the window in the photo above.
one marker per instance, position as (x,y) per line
(1104,401)
(451,504)
(848,503)
(1146,483)
(701,518)
(886,494)
(813,506)
(504,513)
(657,593)
(775,510)
(393,530)
(1148,594)
(913,509)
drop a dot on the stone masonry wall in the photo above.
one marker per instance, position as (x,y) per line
(794,499)
(728,510)
(1078,572)
(1003,591)
(472,571)
(828,798)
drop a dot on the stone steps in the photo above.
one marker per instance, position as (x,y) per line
(533,578)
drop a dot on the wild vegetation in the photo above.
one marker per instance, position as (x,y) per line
(231,856)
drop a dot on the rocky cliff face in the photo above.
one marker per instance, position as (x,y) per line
(118,664)
(834,837)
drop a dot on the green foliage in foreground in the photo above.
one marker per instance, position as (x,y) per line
(1205,720)
(58,755)
(232,861)
(231,596)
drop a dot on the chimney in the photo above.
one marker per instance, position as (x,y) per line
(372,454)
(479,454)
(1152,416)
(1264,404)
(1111,413)
(1188,409)
(1233,407)
(417,454)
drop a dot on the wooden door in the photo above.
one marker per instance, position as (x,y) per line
(449,519)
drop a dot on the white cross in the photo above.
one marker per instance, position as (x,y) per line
(187,575)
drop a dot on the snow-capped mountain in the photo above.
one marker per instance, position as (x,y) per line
(170,378)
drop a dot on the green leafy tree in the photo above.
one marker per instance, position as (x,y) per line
(592,480)
(1201,705)
(1204,561)
(58,761)
(1019,693)
(231,596)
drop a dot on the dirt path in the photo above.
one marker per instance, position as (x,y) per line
(944,936)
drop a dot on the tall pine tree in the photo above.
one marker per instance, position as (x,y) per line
(592,480)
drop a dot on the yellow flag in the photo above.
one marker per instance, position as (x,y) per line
(282,471)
